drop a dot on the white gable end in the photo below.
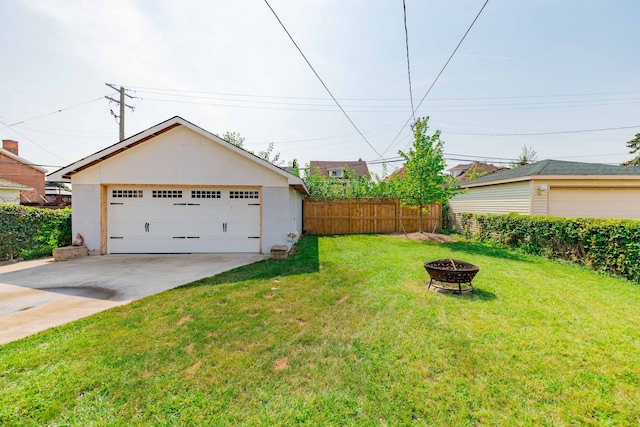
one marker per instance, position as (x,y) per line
(180,156)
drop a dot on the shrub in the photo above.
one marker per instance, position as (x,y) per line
(611,245)
(32,232)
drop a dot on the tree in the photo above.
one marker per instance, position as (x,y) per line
(634,148)
(57,184)
(266,155)
(233,137)
(476,172)
(424,181)
(238,140)
(526,156)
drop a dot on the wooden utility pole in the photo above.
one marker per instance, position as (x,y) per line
(122,105)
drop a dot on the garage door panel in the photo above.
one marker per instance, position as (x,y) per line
(594,202)
(183,220)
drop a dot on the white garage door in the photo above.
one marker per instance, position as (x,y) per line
(183,220)
(594,202)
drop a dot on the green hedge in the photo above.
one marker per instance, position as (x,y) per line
(611,245)
(32,232)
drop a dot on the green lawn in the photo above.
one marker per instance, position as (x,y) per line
(345,333)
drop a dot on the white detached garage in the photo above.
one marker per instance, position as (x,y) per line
(176,188)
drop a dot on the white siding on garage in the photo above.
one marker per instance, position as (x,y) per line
(180,157)
(86,214)
(497,199)
(276,217)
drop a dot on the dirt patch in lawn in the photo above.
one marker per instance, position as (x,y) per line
(281,364)
(432,237)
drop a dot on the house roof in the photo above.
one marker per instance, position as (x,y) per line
(358,166)
(64,174)
(56,191)
(555,168)
(21,160)
(10,185)
(465,168)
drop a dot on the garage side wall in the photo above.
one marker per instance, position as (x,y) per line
(86,215)
(296,209)
(277,220)
(491,199)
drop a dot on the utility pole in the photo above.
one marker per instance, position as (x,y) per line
(122,105)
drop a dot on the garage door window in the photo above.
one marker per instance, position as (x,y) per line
(205,194)
(243,194)
(121,194)
(167,194)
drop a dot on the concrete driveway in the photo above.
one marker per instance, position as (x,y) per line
(37,295)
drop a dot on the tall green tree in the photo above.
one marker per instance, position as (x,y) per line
(634,148)
(424,181)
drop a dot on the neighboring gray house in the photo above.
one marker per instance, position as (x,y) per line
(555,188)
(177,188)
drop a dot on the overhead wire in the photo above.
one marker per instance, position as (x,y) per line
(440,73)
(406,39)
(321,81)
(53,112)
(35,143)
(546,133)
(147,89)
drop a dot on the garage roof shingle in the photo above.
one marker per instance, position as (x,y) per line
(556,168)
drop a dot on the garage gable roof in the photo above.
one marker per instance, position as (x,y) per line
(64,174)
(556,168)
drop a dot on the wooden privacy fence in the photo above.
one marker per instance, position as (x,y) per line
(359,216)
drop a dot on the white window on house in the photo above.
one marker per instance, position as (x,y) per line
(126,194)
(166,194)
(336,173)
(243,194)
(205,194)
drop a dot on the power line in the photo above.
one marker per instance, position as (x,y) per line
(440,73)
(321,81)
(48,114)
(146,90)
(406,39)
(35,143)
(547,133)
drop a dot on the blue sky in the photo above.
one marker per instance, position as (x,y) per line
(526,67)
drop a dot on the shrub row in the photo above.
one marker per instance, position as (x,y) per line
(32,232)
(611,245)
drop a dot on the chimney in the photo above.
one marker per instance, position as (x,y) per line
(10,145)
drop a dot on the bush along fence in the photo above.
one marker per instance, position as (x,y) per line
(27,232)
(610,245)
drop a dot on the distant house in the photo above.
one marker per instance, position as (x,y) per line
(337,169)
(462,171)
(57,196)
(554,188)
(10,191)
(18,170)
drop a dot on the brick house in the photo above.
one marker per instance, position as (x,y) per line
(18,170)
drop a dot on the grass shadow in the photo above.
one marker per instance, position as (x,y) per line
(305,258)
(479,248)
(476,295)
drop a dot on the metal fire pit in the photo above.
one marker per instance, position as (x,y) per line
(447,270)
